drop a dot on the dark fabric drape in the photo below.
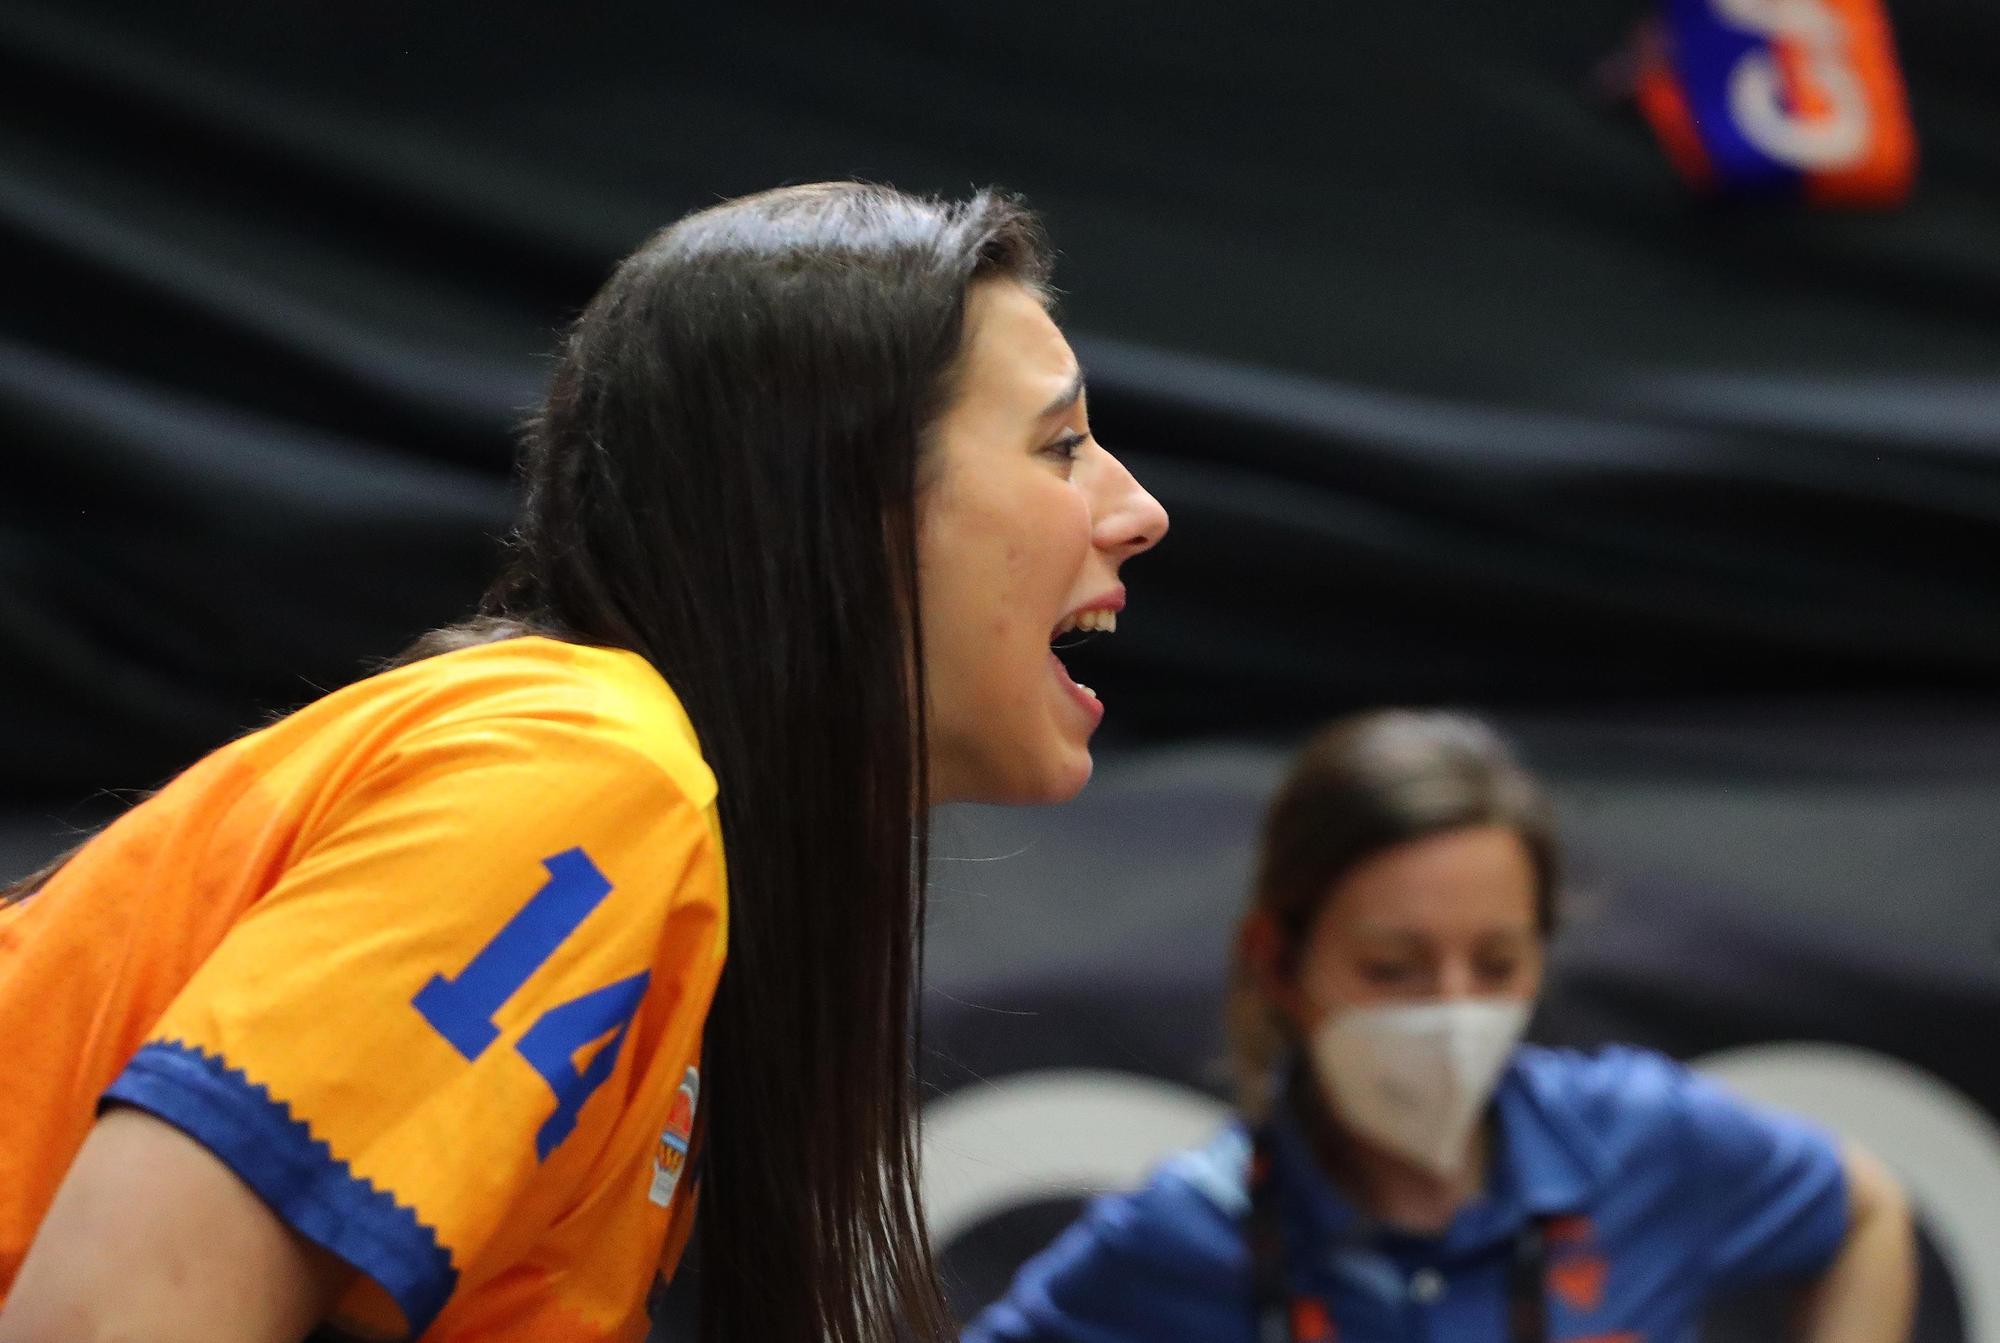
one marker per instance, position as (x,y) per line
(1452,389)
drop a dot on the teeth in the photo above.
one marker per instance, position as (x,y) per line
(1086,690)
(1094,622)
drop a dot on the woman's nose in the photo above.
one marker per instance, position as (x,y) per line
(1127,519)
(1457,980)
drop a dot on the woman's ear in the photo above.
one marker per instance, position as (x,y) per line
(1262,946)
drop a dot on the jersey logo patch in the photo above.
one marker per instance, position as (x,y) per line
(1579,1271)
(1580,1282)
(1311,1323)
(670,1157)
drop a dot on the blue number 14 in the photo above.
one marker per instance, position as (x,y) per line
(461,1008)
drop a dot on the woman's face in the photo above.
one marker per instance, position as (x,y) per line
(1449,916)
(1023,525)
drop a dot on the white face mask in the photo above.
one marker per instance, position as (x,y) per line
(1416,1077)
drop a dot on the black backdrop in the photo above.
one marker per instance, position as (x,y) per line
(1452,389)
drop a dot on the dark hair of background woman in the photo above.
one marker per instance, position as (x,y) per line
(724,479)
(1359,787)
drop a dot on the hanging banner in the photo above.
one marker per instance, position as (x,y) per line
(1800,99)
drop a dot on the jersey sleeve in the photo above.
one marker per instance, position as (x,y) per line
(1773,1185)
(419,1045)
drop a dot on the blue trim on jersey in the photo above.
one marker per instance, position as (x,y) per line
(254,1134)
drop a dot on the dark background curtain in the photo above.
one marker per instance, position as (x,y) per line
(1455,392)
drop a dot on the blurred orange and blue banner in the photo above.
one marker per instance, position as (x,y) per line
(1800,99)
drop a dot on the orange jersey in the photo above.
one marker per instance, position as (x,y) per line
(426,964)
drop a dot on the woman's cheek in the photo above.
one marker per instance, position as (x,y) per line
(1070,526)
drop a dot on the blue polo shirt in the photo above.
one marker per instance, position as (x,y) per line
(1661,1189)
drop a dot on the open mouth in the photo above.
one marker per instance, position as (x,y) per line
(1071,631)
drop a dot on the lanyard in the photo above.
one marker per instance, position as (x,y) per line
(1281,1318)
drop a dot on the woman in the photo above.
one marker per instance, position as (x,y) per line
(390,1017)
(1406,1169)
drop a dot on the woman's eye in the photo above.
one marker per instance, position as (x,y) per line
(1066,446)
(1497,972)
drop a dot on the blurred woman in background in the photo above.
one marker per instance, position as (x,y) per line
(396,1015)
(1405,1168)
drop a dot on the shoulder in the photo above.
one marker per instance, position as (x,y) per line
(1613,1082)
(1164,1262)
(1215,1174)
(1636,1105)
(1185,1217)
(1618,1103)
(632,704)
(581,708)
(1621,1083)
(475,770)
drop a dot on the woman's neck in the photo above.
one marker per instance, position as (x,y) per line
(1391,1189)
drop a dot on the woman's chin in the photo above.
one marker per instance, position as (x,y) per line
(1066,778)
(1057,776)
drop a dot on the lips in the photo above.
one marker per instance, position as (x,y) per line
(1081,695)
(1097,616)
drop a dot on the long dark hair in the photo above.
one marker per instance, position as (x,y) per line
(1362,785)
(725,479)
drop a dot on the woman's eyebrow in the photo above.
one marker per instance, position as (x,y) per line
(1066,399)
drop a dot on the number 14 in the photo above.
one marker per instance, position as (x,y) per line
(461,1008)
